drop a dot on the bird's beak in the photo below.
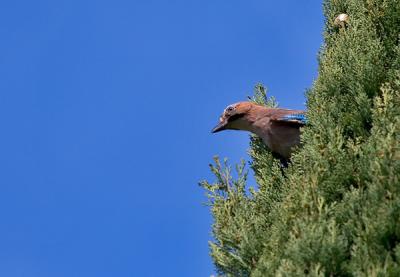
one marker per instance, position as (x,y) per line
(220,126)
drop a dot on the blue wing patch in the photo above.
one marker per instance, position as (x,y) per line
(295,117)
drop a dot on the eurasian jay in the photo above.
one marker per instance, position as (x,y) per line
(278,128)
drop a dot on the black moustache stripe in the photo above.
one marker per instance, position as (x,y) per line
(235,117)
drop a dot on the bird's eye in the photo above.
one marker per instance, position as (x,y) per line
(230,108)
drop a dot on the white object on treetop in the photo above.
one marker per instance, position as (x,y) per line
(341,19)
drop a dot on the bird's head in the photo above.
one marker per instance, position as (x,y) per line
(235,117)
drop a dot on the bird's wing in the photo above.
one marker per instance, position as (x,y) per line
(295,118)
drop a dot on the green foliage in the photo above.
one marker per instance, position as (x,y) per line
(336,210)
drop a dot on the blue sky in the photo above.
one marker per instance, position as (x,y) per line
(106,109)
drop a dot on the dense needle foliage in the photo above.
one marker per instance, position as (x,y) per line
(336,210)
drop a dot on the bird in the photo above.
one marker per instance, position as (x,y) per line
(278,128)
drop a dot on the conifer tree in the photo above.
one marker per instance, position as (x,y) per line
(336,210)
